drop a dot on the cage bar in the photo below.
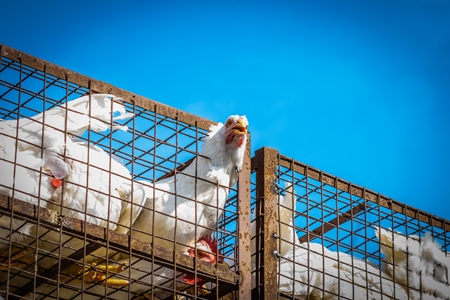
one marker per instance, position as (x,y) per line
(244,250)
(266,222)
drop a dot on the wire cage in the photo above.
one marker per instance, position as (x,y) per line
(286,230)
(316,236)
(47,253)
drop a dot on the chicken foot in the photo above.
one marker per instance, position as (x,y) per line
(96,273)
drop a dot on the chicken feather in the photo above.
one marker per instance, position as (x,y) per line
(34,151)
(207,179)
(311,271)
(417,263)
(187,206)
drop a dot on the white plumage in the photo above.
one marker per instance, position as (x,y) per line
(97,190)
(34,151)
(323,274)
(311,271)
(417,263)
(207,180)
(187,206)
(288,236)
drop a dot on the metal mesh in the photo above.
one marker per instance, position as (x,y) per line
(330,213)
(322,228)
(153,147)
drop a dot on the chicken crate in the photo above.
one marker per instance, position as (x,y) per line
(106,194)
(321,237)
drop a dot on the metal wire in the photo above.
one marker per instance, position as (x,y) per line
(161,142)
(156,143)
(339,216)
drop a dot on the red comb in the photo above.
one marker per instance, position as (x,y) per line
(212,243)
(56,182)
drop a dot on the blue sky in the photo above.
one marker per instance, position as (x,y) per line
(359,89)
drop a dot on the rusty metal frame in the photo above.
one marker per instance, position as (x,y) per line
(264,163)
(244,251)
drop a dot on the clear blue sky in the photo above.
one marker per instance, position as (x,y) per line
(359,89)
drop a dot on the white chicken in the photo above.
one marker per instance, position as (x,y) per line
(186,207)
(181,209)
(288,236)
(311,271)
(417,263)
(96,188)
(34,151)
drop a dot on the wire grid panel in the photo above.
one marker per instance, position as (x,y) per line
(151,149)
(340,241)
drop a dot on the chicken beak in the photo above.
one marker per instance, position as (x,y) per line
(239,129)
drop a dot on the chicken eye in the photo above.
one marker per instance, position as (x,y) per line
(228,123)
(199,254)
